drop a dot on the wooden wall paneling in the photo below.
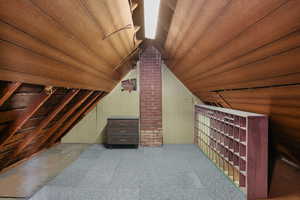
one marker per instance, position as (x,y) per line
(122,18)
(285,44)
(82,25)
(25,40)
(221,31)
(165,19)
(63,118)
(30,110)
(181,23)
(280,103)
(9,75)
(8,91)
(19,101)
(267,37)
(10,115)
(209,12)
(43,124)
(274,67)
(29,63)
(21,14)
(138,19)
(72,119)
(109,22)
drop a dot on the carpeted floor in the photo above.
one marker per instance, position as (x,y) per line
(169,173)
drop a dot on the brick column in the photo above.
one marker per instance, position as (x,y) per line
(151,98)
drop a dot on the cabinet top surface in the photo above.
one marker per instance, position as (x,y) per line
(122,117)
(231,111)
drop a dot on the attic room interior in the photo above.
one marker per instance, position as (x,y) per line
(150,99)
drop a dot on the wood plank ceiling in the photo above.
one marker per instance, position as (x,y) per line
(60,57)
(74,43)
(57,60)
(244,55)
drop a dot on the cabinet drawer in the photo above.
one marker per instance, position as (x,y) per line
(125,139)
(115,130)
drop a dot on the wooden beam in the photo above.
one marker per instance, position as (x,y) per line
(72,120)
(136,50)
(60,122)
(134,6)
(8,91)
(46,121)
(103,94)
(93,105)
(30,111)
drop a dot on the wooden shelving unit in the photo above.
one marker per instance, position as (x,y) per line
(237,143)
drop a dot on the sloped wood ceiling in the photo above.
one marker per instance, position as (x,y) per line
(244,55)
(59,57)
(74,43)
(57,60)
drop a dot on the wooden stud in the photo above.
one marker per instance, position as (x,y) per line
(46,121)
(72,120)
(30,111)
(8,91)
(60,122)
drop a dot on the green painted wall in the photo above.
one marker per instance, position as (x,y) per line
(178,112)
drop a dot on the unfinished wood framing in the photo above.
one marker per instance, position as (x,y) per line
(46,121)
(33,113)
(8,91)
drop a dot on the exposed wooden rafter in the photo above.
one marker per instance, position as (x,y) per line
(8,91)
(46,121)
(60,122)
(29,112)
(65,127)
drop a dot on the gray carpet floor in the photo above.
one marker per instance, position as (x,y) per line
(173,172)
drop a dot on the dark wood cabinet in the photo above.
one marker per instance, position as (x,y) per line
(122,131)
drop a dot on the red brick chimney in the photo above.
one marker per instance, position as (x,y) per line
(151,98)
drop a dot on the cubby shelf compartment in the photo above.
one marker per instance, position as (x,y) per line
(237,143)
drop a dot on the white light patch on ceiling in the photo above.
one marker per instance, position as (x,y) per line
(151,12)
